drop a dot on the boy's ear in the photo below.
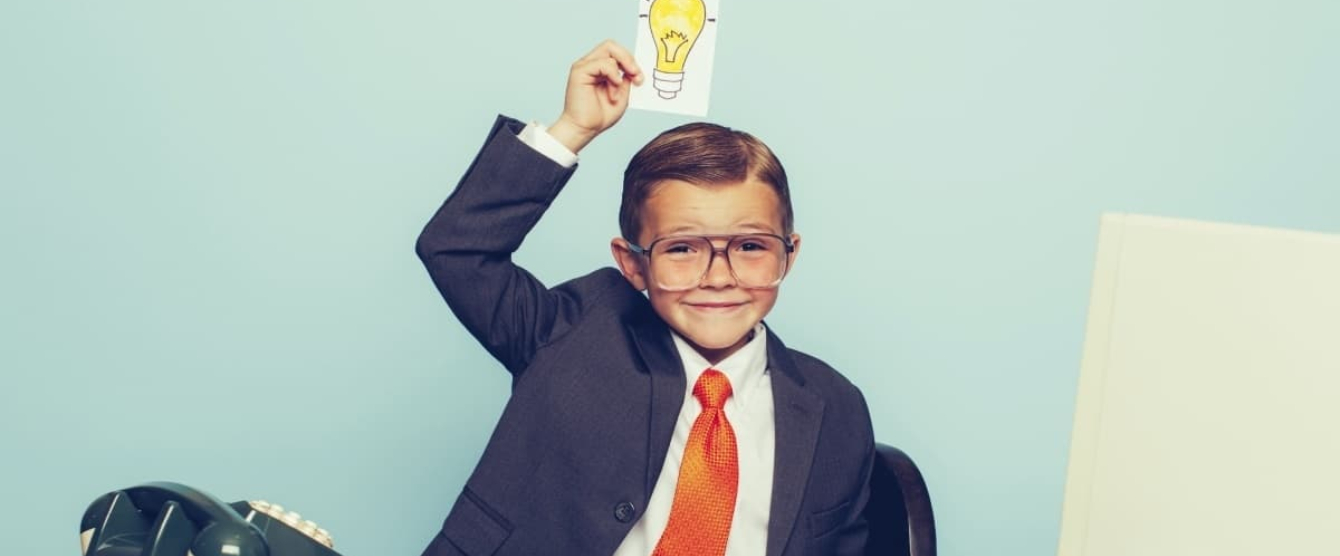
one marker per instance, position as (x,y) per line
(630,263)
(795,251)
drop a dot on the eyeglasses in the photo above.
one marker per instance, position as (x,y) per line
(756,261)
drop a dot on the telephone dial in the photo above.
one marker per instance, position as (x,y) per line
(171,519)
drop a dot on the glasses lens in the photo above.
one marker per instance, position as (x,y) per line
(678,263)
(757,261)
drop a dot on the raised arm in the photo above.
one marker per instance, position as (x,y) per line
(467,247)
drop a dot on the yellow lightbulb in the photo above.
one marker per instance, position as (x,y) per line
(675,25)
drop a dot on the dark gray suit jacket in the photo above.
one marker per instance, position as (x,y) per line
(597,387)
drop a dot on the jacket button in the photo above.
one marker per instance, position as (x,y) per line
(624,512)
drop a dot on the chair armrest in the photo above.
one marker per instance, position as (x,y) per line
(898,495)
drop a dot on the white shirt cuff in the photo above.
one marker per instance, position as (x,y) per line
(537,136)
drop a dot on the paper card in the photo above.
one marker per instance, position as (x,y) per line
(676,43)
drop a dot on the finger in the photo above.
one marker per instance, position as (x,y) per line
(624,92)
(611,49)
(596,72)
(618,94)
(606,69)
(625,58)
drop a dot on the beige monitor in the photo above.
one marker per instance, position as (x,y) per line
(1208,415)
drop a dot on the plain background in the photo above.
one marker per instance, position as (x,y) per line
(209,212)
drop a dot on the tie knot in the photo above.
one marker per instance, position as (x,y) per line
(712,389)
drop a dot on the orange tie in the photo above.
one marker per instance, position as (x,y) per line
(709,475)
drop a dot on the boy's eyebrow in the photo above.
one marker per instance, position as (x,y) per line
(755,226)
(689,229)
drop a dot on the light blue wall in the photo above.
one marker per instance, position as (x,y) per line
(209,211)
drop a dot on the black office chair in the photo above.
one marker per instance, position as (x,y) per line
(899,511)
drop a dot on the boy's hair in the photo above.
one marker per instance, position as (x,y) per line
(701,154)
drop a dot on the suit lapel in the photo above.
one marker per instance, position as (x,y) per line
(799,414)
(651,339)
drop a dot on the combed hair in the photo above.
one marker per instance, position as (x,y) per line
(701,154)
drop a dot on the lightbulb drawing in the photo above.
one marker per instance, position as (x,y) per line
(675,26)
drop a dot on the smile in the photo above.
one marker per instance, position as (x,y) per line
(719,307)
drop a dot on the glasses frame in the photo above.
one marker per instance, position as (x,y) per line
(725,252)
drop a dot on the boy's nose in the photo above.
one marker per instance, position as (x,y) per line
(719,273)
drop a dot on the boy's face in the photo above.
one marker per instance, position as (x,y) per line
(717,315)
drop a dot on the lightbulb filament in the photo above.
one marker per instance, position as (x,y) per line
(674,41)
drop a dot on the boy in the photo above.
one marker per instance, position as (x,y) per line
(675,423)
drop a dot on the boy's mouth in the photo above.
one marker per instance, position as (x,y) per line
(716,306)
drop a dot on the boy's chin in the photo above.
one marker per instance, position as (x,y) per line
(717,341)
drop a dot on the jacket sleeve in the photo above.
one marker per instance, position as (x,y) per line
(467,248)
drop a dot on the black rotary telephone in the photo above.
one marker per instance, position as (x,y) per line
(170,519)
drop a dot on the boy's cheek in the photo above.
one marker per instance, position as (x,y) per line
(706,329)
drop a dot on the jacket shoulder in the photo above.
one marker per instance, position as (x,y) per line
(817,370)
(836,388)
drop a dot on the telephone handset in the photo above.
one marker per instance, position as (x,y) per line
(171,519)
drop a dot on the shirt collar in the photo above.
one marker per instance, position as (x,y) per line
(745,368)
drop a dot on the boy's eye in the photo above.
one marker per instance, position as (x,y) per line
(679,248)
(753,244)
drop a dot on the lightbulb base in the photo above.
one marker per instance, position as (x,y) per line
(667,84)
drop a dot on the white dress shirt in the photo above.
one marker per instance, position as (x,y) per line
(537,136)
(749,411)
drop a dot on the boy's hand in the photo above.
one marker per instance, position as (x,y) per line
(598,89)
